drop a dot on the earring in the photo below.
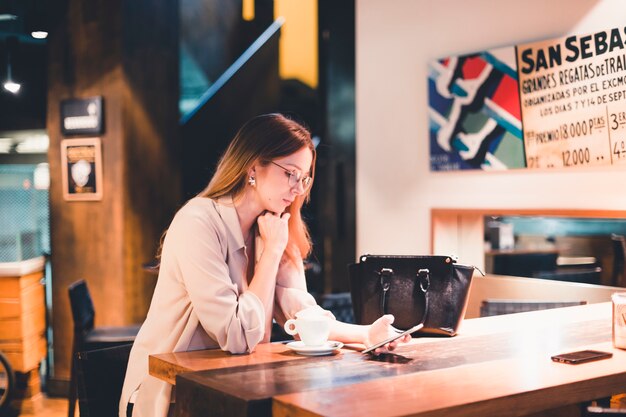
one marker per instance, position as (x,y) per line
(251,181)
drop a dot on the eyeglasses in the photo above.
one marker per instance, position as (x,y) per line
(295,176)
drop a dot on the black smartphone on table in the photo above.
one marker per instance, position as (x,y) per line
(392,338)
(581,356)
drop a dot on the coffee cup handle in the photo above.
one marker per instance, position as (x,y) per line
(290,327)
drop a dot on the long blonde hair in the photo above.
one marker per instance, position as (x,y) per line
(263,139)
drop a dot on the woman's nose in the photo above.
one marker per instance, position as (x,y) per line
(298,188)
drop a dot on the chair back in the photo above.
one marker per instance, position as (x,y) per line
(100,377)
(497,307)
(524,264)
(83,312)
(340,304)
(618,278)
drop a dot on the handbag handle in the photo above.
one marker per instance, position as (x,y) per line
(385,283)
(423,276)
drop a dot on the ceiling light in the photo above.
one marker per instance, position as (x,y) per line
(12,87)
(39,34)
(9,84)
(6,17)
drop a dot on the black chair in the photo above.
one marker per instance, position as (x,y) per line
(87,337)
(100,377)
(340,304)
(524,263)
(494,307)
(618,277)
(588,275)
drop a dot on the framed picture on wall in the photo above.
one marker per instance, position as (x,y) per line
(81,169)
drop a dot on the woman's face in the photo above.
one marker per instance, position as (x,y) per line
(274,191)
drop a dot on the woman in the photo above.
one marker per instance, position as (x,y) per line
(232,260)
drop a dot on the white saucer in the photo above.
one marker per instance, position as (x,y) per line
(325,349)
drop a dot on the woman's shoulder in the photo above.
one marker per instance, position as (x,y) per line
(197,212)
(220,212)
(200,204)
(198,222)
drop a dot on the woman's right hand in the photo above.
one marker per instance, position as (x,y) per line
(274,231)
(380,330)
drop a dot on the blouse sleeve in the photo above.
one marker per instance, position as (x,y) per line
(235,321)
(291,292)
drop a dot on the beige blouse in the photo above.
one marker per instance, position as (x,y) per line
(201,299)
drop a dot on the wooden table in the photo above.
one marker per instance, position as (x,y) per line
(496,366)
(167,366)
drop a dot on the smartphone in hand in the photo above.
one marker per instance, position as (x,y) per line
(392,338)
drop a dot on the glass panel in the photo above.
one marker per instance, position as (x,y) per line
(24,224)
(566,249)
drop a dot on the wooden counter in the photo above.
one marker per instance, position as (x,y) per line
(496,366)
(23,320)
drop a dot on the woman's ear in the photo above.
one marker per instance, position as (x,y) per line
(251,177)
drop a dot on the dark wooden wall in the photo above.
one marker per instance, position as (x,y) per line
(253,90)
(336,172)
(26,110)
(215,35)
(126,52)
(210,33)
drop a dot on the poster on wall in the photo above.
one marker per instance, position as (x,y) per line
(559,103)
(474,113)
(573,99)
(81,164)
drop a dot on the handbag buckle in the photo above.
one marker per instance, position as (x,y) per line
(385,273)
(424,277)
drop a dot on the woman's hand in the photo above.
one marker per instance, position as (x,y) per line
(380,330)
(274,231)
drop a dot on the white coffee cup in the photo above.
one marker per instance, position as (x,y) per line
(312,329)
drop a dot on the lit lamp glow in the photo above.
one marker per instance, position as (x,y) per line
(12,86)
(9,84)
(39,34)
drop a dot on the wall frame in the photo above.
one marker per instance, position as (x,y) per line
(81,166)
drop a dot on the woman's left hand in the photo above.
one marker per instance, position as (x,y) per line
(380,330)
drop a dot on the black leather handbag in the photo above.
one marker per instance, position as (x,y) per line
(433,290)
